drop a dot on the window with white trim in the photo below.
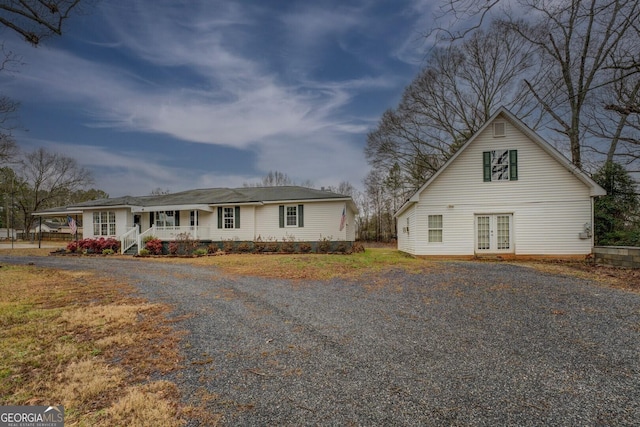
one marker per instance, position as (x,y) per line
(165,219)
(228,217)
(291,219)
(435,228)
(104,223)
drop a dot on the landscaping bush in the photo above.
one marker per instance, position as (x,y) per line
(244,247)
(305,247)
(288,244)
(94,246)
(144,252)
(183,245)
(342,248)
(153,246)
(324,245)
(200,252)
(271,246)
(357,247)
(228,245)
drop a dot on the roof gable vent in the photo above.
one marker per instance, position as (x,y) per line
(498,129)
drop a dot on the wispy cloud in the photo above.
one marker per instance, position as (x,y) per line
(197,73)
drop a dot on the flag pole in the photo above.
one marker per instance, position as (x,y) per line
(40,234)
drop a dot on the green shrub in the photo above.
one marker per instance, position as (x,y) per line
(144,252)
(200,252)
(108,252)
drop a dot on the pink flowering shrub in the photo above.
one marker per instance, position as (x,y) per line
(94,246)
(154,246)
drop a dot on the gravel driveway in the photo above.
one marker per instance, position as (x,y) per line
(480,344)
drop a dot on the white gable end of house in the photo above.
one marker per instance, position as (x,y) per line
(534,202)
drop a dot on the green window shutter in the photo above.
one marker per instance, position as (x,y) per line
(237,215)
(151,218)
(513,165)
(177,217)
(486,165)
(281,208)
(219,216)
(300,215)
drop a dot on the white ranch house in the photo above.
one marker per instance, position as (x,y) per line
(218,215)
(507,192)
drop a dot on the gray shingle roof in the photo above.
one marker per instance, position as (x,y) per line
(218,196)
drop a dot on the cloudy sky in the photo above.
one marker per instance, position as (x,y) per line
(202,93)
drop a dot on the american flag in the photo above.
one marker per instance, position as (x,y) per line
(72,224)
(343,218)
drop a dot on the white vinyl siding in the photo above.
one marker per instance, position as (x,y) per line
(321,220)
(549,204)
(406,238)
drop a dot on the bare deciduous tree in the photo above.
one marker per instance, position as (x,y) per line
(44,178)
(577,40)
(35,19)
(450,100)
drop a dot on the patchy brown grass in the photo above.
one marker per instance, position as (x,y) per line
(309,266)
(74,339)
(616,277)
(6,250)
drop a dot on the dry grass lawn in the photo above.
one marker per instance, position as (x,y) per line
(60,335)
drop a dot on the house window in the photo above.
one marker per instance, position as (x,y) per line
(104,223)
(228,217)
(435,228)
(291,216)
(165,219)
(500,165)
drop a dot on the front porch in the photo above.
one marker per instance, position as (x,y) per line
(133,237)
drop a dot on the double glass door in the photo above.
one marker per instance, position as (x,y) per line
(494,233)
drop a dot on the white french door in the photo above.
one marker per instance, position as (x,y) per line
(494,233)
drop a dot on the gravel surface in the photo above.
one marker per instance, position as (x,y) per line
(473,344)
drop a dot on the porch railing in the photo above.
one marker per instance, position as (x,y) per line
(148,232)
(176,232)
(128,239)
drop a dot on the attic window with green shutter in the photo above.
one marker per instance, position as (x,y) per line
(500,165)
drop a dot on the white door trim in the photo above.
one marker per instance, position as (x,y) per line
(493,233)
